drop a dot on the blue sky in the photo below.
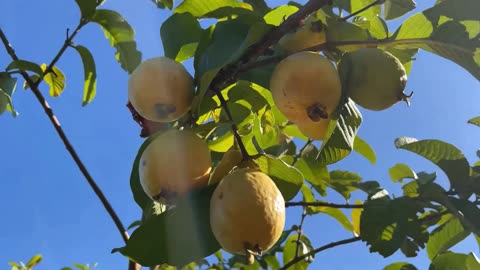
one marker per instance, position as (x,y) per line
(46,204)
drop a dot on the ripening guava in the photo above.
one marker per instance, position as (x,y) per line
(173,164)
(247,212)
(310,34)
(315,130)
(373,78)
(306,87)
(230,159)
(160,89)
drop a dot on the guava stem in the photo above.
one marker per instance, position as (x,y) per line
(406,98)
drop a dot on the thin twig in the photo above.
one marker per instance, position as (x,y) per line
(300,231)
(315,251)
(243,150)
(300,153)
(66,44)
(378,2)
(325,204)
(66,142)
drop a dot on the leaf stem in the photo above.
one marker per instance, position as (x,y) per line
(300,153)
(378,2)
(320,249)
(324,204)
(56,124)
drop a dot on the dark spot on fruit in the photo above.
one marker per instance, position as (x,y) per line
(163,110)
(220,196)
(316,112)
(144,163)
(168,196)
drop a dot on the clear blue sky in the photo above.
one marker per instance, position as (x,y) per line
(48,208)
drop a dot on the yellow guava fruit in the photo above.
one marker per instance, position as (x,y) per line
(160,89)
(373,78)
(306,87)
(247,212)
(173,164)
(310,34)
(314,130)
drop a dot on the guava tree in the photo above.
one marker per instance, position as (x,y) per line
(271,104)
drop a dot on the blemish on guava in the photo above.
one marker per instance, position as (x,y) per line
(164,110)
(220,196)
(144,163)
(316,112)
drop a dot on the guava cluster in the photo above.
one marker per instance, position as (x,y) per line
(247,209)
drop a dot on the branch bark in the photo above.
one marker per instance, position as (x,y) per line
(325,204)
(320,249)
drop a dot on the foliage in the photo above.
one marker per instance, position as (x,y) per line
(233,59)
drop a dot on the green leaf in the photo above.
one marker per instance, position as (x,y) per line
(180,35)
(448,261)
(272,262)
(89,74)
(400,266)
(8,85)
(386,225)
(168,3)
(355,214)
(278,14)
(393,9)
(34,261)
(356,5)
(376,26)
(140,197)
(259,6)
(287,178)
(363,148)
(178,236)
(446,156)
(449,29)
(344,182)
(87,8)
(469,212)
(406,56)
(340,143)
(25,66)
(475,121)
(401,171)
(444,237)
(332,212)
(290,249)
(472,262)
(200,8)
(120,34)
(55,80)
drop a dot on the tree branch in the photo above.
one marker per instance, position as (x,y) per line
(325,204)
(300,153)
(300,231)
(56,124)
(378,2)
(315,251)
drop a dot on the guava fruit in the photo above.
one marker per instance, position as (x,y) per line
(373,78)
(230,159)
(308,35)
(173,164)
(247,212)
(160,89)
(315,130)
(306,87)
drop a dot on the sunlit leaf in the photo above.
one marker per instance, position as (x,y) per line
(401,171)
(290,249)
(356,213)
(34,261)
(8,85)
(55,80)
(278,14)
(121,36)
(363,148)
(449,260)
(200,8)
(400,266)
(90,74)
(287,178)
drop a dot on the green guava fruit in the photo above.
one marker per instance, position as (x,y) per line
(373,78)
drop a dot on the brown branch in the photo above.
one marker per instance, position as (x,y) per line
(315,251)
(325,204)
(65,140)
